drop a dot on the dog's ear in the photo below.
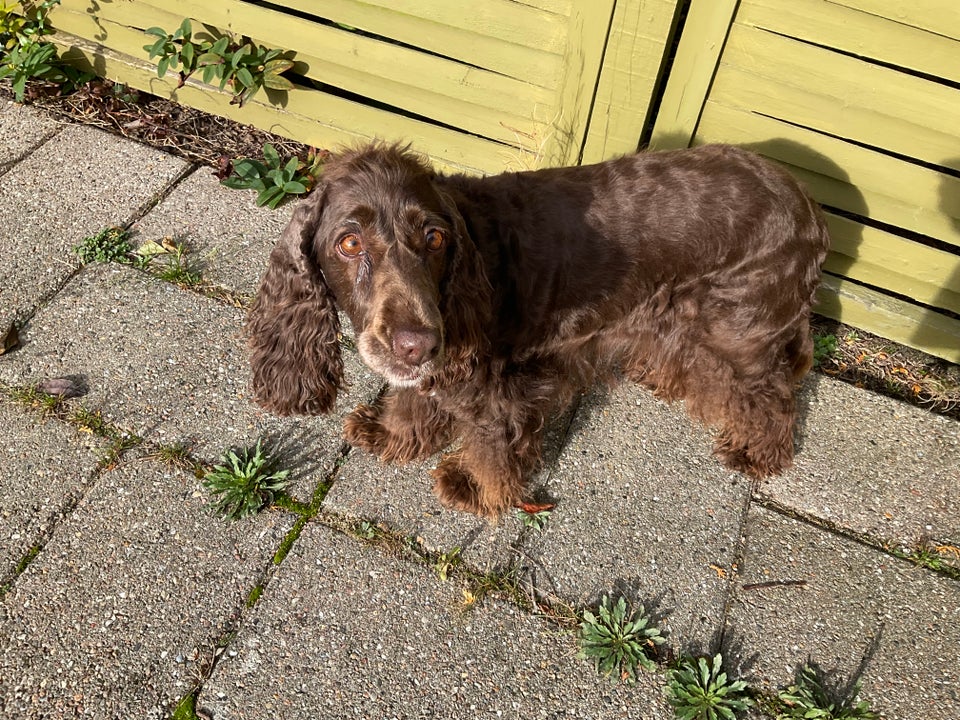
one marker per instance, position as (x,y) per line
(465,301)
(293,327)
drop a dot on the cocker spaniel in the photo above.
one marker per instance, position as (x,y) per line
(488,303)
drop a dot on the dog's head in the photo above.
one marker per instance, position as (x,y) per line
(381,240)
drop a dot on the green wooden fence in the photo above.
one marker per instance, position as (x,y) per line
(859,98)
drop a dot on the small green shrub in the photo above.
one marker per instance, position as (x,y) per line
(700,690)
(809,699)
(245,67)
(536,520)
(618,639)
(824,348)
(25,55)
(111,244)
(245,483)
(274,179)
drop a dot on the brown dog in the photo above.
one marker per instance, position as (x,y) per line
(487,303)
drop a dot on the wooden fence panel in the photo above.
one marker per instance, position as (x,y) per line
(481,86)
(859,100)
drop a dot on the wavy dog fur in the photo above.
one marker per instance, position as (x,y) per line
(487,303)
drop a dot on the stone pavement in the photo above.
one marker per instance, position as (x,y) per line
(120,594)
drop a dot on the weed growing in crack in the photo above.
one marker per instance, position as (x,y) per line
(699,689)
(446,562)
(245,482)
(534,520)
(36,399)
(111,244)
(618,639)
(809,697)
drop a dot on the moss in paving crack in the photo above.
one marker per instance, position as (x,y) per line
(21,566)
(254,595)
(186,709)
(289,539)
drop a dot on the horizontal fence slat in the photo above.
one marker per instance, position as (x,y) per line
(844,175)
(817,88)
(514,56)
(883,260)
(859,33)
(446,92)
(315,118)
(939,16)
(889,317)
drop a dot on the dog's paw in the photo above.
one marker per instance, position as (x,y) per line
(455,488)
(363,429)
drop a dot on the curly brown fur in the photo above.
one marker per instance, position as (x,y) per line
(487,303)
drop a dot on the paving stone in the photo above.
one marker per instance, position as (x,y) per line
(228,236)
(21,129)
(643,509)
(857,611)
(129,597)
(44,468)
(169,365)
(345,631)
(72,186)
(873,465)
(401,498)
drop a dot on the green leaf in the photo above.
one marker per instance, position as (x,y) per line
(245,77)
(277,82)
(271,155)
(186,29)
(187,55)
(270,197)
(162,66)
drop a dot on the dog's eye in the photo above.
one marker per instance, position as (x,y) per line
(436,239)
(350,245)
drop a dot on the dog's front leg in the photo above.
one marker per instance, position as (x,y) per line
(402,426)
(487,475)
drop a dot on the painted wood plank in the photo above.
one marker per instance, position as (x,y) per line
(631,68)
(314,118)
(844,96)
(532,64)
(844,175)
(939,16)
(889,317)
(476,101)
(884,260)
(704,35)
(860,33)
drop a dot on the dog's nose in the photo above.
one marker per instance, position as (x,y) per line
(415,347)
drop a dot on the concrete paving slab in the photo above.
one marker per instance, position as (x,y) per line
(401,498)
(857,611)
(22,128)
(228,236)
(642,508)
(170,366)
(130,596)
(72,186)
(874,465)
(44,467)
(346,631)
